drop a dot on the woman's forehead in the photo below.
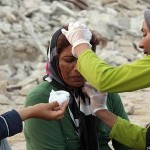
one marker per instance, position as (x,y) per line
(144,27)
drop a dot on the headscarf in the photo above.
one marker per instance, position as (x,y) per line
(83,120)
(147,18)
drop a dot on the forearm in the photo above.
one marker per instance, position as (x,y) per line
(107,117)
(123,131)
(129,134)
(26,113)
(81,48)
(103,77)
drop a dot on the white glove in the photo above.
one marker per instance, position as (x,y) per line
(77,34)
(98,99)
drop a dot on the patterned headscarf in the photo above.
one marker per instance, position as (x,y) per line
(83,120)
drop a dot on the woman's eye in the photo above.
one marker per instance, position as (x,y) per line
(144,34)
(69,60)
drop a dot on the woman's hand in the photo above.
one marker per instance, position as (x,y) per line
(43,111)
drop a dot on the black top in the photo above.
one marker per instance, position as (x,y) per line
(148,139)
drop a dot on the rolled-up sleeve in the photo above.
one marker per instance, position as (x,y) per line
(107,78)
(129,134)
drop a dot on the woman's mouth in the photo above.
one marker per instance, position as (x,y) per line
(145,52)
(78,78)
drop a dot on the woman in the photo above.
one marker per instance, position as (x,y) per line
(79,129)
(103,77)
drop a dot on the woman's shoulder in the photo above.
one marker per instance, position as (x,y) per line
(113,100)
(40,88)
(39,94)
(112,96)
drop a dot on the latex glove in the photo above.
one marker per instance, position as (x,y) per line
(98,99)
(77,34)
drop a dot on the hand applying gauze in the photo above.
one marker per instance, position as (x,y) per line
(77,34)
(98,99)
(59,96)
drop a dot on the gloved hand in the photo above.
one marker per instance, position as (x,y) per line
(98,99)
(77,34)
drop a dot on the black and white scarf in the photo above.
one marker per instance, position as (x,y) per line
(84,122)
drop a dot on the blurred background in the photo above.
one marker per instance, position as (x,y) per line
(26,27)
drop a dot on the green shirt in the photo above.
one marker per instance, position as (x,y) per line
(103,77)
(129,134)
(60,134)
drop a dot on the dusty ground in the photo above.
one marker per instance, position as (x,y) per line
(140,99)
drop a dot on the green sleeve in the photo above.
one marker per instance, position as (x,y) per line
(129,134)
(115,106)
(103,77)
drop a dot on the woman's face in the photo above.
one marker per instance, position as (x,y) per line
(145,42)
(67,65)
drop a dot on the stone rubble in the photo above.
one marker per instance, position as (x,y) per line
(26,27)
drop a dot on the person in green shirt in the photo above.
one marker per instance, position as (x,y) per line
(104,77)
(122,130)
(79,129)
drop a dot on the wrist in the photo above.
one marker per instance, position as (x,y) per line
(100,109)
(26,113)
(107,117)
(79,49)
(101,112)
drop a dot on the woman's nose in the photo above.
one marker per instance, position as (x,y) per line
(75,67)
(141,44)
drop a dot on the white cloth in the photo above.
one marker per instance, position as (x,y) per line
(59,96)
